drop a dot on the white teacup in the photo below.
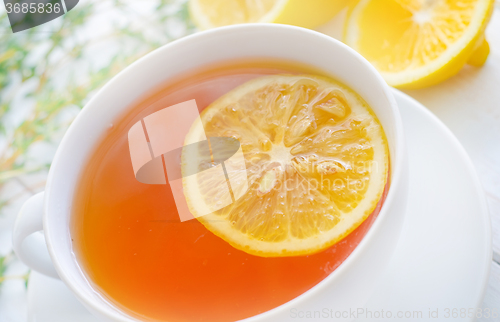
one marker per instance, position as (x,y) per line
(347,288)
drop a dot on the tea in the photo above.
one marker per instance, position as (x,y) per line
(137,253)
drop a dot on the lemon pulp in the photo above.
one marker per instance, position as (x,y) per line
(316,162)
(417,43)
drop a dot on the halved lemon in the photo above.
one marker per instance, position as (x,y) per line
(418,43)
(316,161)
(304,13)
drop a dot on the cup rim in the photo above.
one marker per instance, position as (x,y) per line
(397,165)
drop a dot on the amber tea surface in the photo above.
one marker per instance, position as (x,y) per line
(136,252)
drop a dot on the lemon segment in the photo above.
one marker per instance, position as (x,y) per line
(316,164)
(418,43)
(208,14)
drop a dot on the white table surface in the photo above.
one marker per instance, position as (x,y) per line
(469,104)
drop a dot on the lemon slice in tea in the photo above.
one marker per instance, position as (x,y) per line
(316,161)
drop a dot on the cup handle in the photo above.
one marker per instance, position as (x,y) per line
(28,242)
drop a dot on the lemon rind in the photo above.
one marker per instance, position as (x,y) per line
(202,21)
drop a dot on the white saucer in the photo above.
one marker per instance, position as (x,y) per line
(443,258)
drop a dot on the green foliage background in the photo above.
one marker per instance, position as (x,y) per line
(49,72)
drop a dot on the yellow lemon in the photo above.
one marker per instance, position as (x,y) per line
(316,165)
(304,13)
(418,43)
